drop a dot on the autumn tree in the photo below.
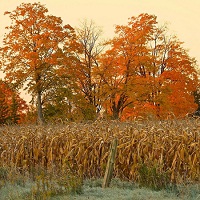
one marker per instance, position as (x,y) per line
(197,101)
(146,71)
(196,95)
(173,74)
(89,47)
(32,51)
(4,109)
(12,106)
(120,63)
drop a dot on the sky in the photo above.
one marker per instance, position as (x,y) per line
(182,16)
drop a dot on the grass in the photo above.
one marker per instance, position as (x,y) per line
(38,185)
(92,190)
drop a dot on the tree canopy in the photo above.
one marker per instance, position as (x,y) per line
(145,71)
(70,73)
(32,50)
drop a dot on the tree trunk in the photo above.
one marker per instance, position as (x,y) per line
(117,107)
(40,118)
(115,114)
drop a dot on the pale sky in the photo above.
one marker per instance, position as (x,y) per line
(182,16)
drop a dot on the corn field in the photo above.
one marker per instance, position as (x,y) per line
(172,147)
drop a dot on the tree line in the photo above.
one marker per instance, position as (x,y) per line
(73,74)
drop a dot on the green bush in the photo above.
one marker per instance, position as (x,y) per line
(150,177)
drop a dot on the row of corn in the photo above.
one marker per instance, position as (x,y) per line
(172,147)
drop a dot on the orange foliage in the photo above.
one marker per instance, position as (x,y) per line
(145,72)
(13,107)
(32,50)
